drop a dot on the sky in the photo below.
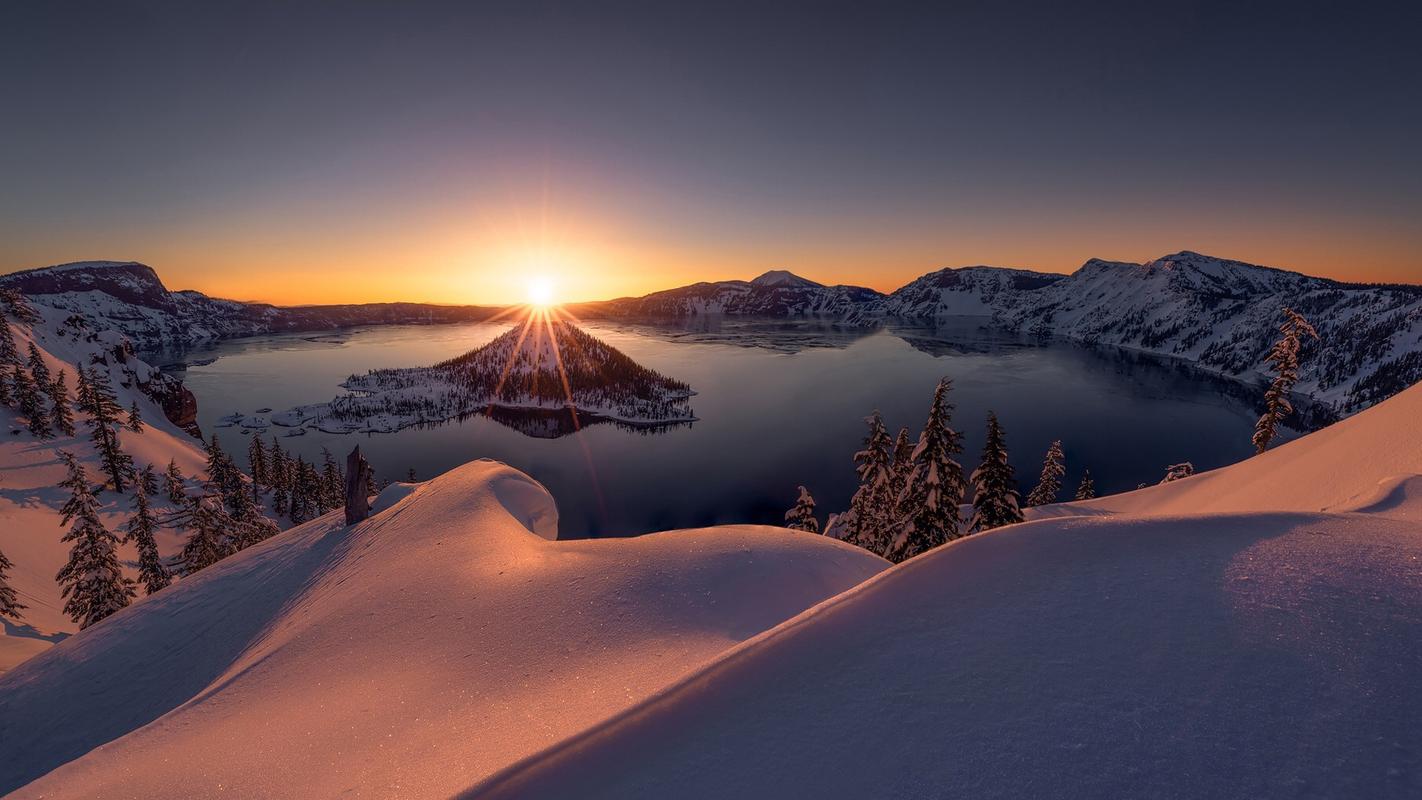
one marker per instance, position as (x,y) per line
(302,152)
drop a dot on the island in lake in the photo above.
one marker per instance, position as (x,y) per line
(544,377)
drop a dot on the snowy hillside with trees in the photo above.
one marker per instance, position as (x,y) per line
(104,500)
(541,365)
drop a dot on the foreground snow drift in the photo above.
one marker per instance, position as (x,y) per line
(1131,647)
(1252,655)
(412,654)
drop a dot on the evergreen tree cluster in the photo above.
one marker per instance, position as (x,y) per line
(910,492)
(301,490)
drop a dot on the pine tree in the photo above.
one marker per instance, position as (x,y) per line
(9,354)
(870,513)
(1087,489)
(93,582)
(7,397)
(135,419)
(208,527)
(59,400)
(301,505)
(1049,486)
(1175,472)
(29,404)
(97,400)
(10,605)
(39,371)
(333,482)
(257,461)
(409,478)
(802,516)
(935,485)
(279,473)
(140,529)
(995,500)
(14,305)
(1284,356)
(174,485)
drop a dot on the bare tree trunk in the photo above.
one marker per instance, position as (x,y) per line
(357,492)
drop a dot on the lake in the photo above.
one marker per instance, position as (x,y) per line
(778,404)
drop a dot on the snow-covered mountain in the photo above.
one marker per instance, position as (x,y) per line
(776,293)
(129,297)
(543,365)
(1216,313)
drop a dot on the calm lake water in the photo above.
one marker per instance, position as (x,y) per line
(779,404)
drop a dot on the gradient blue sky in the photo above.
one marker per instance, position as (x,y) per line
(320,152)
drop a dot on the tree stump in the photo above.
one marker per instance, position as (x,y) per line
(357,487)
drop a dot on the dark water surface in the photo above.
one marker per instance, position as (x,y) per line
(780,404)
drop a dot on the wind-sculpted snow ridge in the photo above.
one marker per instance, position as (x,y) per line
(408,655)
(1218,636)
(541,365)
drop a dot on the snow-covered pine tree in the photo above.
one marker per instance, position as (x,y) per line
(174,485)
(1175,472)
(7,397)
(1050,484)
(995,499)
(903,464)
(135,418)
(96,398)
(140,529)
(278,474)
(9,354)
(301,504)
(29,403)
(10,605)
(870,515)
(1086,490)
(1284,357)
(257,461)
(14,305)
(93,582)
(935,485)
(333,482)
(39,371)
(802,516)
(209,533)
(63,415)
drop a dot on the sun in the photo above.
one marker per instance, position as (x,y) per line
(540,292)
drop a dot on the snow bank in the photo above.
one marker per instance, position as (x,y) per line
(412,654)
(1140,648)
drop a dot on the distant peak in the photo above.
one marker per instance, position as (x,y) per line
(781,277)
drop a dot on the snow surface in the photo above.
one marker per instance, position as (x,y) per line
(1204,645)
(411,655)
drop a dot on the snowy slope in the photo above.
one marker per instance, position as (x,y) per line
(410,655)
(30,470)
(1242,652)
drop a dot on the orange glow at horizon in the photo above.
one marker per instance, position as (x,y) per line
(490,260)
